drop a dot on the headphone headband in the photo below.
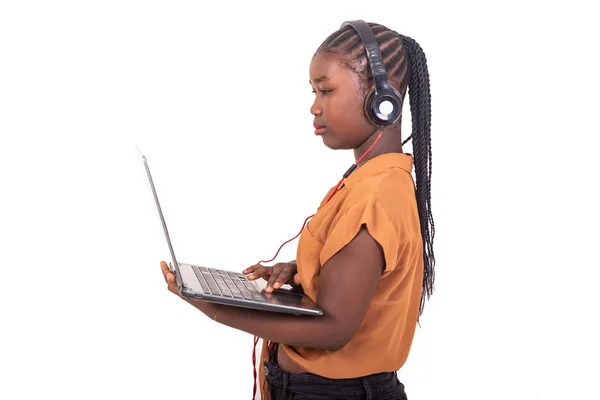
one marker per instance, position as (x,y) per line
(373,52)
(383,105)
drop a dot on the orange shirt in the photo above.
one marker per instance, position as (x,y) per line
(381,194)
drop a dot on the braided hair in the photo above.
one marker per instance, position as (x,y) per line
(406,67)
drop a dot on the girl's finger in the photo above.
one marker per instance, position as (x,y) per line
(297,281)
(271,281)
(281,279)
(252,269)
(165,270)
(262,271)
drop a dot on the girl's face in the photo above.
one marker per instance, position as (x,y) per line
(339,105)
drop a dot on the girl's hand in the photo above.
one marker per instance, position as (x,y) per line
(207,308)
(277,275)
(169,278)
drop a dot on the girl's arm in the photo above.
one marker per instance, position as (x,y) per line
(348,282)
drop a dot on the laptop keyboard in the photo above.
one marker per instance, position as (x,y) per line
(227,283)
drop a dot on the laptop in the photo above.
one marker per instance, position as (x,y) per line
(229,287)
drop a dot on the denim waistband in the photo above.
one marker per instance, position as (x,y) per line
(362,387)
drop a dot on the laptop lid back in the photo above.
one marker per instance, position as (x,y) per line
(162,221)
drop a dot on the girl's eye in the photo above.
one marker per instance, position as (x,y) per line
(323,92)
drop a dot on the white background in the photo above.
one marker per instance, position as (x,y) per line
(217,96)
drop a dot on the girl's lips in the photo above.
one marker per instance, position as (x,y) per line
(320,130)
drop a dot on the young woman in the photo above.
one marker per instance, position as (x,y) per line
(366,256)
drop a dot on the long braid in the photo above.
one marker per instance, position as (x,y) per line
(406,66)
(420,108)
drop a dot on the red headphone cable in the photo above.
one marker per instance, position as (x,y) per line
(346,175)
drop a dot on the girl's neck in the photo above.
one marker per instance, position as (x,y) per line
(390,142)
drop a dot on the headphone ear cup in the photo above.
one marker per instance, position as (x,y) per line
(383,108)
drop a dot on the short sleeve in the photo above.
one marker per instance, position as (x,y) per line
(371,213)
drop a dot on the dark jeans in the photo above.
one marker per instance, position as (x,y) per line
(286,386)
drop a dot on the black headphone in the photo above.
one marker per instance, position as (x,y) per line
(383,104)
